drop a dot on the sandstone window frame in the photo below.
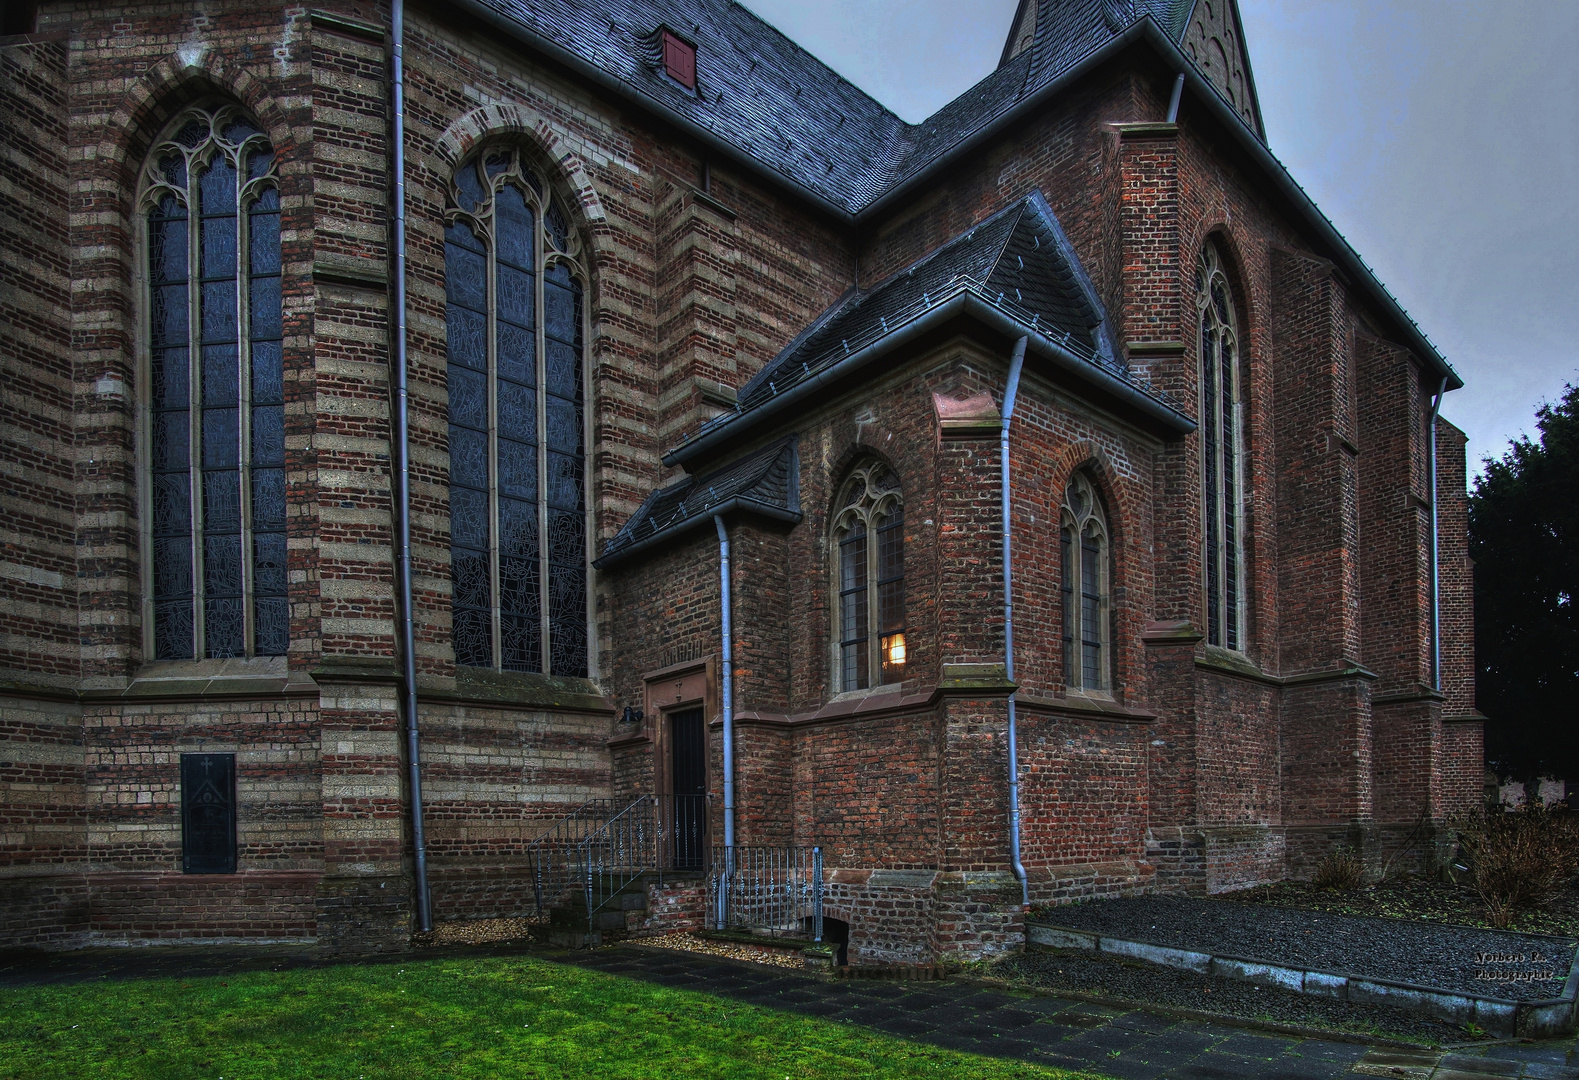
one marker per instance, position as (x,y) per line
(1086,587)
(867,580)
(494,182)
(173,451)
(1223,601)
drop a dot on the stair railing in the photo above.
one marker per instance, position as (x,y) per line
(654,834)
(555,873)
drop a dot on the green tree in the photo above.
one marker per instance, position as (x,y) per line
(1524,538)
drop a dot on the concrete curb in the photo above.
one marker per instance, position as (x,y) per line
(1206,1016)
(1535,1019)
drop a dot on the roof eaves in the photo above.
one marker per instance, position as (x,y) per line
(734,504)
(963,300)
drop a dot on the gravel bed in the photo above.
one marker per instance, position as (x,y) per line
(1150,984)
(692,943)
(475,932)
(1458,958)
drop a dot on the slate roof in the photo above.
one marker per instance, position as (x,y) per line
(791,115)
(763,94)
(765,482)
(1018,260)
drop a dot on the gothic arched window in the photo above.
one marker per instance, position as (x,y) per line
(518,502)
(1083,543)
(1220,453)
(215,497)
(869,568)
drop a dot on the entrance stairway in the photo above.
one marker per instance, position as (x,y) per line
(593,868)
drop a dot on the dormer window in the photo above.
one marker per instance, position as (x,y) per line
(679,60)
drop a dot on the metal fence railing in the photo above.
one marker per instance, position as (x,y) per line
(555,874)
(774,890)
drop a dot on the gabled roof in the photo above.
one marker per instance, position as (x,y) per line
(765,482)
(1017,259)
(766,96)
(766,103)
(1018,263)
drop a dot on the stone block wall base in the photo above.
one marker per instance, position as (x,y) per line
(1241,856)
(977,916)
(364,914)
(1307,845)
(676,906)
(1178,852)
(1088,881)
(44,912)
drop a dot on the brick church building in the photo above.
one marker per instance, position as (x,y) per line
(672,289)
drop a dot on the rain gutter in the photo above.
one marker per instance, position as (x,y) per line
(664,535)
(1436,601)
(961,304)
(1010,394)
(728,691)
(402,448)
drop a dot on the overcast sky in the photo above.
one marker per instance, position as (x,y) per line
(1441,137)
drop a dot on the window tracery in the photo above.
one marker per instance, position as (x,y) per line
(1083,544)
(869,545)
(1221,455)
(518,509)
(215,551)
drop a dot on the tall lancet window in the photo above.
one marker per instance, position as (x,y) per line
(869,570)
(514,314)
(1221,454)
(215,497)
(1083,543)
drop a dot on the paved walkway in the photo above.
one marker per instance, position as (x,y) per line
(1127,1045)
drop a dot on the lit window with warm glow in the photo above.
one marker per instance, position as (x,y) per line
(869,546)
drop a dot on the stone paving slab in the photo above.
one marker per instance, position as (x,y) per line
(1126,1045)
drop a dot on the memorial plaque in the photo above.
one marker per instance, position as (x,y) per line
(208,813)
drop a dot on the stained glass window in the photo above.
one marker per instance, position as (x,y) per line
(216,558)
(869,541)
(1083,546)
(514,313)
(1220,426)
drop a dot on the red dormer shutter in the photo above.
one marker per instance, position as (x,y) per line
(679,60)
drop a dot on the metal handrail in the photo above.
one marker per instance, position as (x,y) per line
(654,834)
(554,873)
(773,890)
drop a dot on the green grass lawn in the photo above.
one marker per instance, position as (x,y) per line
(486,1018)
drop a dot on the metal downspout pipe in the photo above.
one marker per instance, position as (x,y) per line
(1016,363)
(729,715)
(1173,102)
(402,434)
(1436,604)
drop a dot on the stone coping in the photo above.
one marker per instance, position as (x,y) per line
(1540,1018)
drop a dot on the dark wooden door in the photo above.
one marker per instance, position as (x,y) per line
(688,774)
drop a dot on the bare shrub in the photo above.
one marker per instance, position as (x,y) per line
(1518,859)
(1341,871)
